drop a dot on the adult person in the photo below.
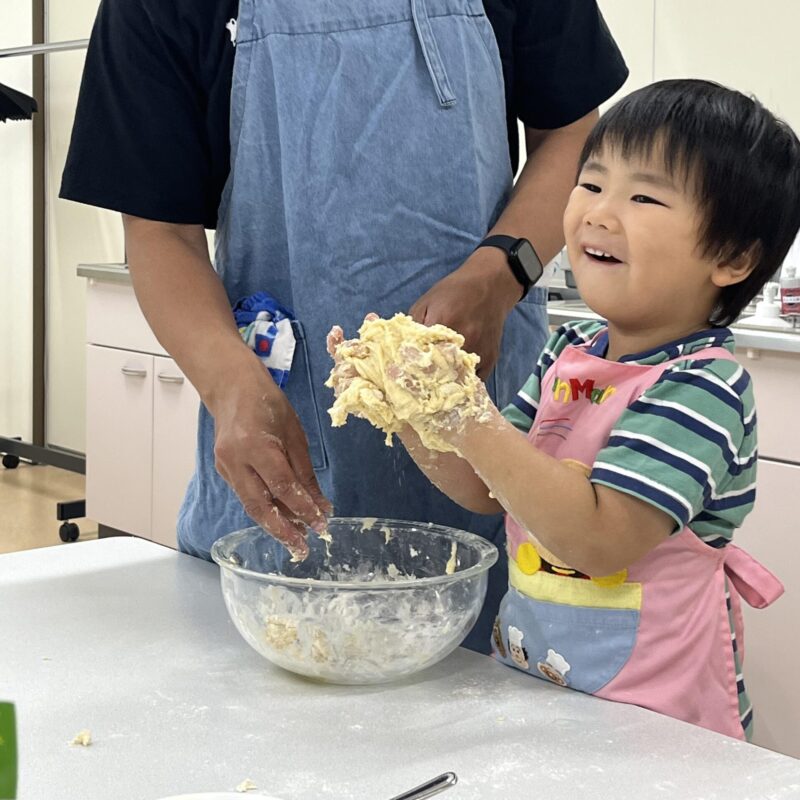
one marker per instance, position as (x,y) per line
(351,156)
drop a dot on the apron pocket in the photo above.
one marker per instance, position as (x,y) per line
(576,646)
(300,392)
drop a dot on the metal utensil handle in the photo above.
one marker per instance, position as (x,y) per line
(429,789)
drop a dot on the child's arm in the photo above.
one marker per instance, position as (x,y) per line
(595,529)
(451,474)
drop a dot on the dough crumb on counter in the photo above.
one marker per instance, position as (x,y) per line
(246,786)
(83,738)
(400,372)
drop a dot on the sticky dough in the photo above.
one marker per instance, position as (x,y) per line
(408,373)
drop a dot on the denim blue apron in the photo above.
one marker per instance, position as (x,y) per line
(369,156)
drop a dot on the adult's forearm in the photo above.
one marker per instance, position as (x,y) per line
(536,208)
(185,303)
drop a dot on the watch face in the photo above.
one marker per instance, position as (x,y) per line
(528,260)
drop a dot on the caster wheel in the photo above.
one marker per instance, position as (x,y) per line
(69,532)
(10,461)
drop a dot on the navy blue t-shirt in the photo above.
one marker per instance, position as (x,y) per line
(151,133)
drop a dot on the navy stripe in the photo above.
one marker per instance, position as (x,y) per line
(632,485)
(708,386)
(735,646)
(525,407)
(657,454)
(740,686)
(747,720)
(748,426)
(690,423)
(727,503)
(742,383)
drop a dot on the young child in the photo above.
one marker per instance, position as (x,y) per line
(628,459)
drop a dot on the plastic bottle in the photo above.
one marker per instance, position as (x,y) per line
(768,311)
(790,291)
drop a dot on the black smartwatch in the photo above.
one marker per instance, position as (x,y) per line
(522,259)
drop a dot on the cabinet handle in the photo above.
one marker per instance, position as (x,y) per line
(134,373)
(165,378)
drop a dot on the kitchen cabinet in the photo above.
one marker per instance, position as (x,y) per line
(141,421)
(772,651)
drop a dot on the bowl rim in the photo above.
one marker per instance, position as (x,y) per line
(489,554)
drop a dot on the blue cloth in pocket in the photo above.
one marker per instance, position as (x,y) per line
(266,327)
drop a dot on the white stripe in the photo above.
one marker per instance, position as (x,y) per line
(649,482)
(745,712)
(700,418)
(736,492)
(659,445)
(527,398)
(709,376)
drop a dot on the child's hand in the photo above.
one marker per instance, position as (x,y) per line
(342,374)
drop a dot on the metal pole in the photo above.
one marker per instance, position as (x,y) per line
(39,286)
(36,49)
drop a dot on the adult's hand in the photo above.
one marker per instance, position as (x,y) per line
(475,301)
(262,452)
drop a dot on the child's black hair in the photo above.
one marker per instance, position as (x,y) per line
(742,163)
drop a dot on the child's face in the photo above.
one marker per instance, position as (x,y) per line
(632,236)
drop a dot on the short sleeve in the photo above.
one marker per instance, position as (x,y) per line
(139,144)
(688,447)
(521,411)
(566,62)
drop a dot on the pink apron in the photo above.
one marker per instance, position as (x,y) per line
(658,634)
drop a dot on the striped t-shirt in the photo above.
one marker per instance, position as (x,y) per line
(687,445)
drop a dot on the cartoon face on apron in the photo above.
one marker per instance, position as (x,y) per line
(656,635)
(369,156)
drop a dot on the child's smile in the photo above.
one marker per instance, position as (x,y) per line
(633,234)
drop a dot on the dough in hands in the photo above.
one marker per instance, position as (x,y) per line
(399,372)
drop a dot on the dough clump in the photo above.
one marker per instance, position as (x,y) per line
(82,739)
(399,372)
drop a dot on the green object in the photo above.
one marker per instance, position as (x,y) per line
(8,752)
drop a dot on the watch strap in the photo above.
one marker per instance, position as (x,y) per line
(506,244)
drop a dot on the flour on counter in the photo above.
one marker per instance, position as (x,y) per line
(82,739)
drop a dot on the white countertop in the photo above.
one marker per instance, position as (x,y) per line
(559,312)
(132,641)
(783,341)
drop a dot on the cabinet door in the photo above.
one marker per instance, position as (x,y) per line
(175,406)
(771,644)
(119,436)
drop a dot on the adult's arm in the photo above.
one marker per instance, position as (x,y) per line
(260,447)
(476,299)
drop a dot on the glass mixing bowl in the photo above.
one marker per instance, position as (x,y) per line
(383,600)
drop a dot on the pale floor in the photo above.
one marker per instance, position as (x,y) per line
(28,497)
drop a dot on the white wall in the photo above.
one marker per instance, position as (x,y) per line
(16,231)
(76,234)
